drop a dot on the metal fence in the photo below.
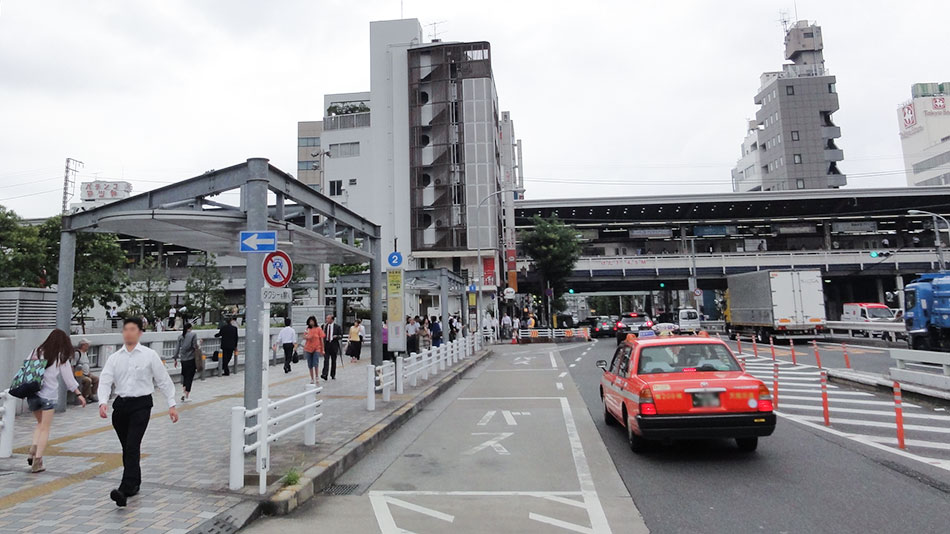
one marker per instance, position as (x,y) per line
(7,413)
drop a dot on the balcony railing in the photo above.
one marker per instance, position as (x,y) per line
(343,122)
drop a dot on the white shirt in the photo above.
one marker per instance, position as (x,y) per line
(49,387)
(135,374)
(171,312)
(362,330)
(506,321)
(412,329)
(287,335)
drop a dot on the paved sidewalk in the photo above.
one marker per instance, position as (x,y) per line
(185,465)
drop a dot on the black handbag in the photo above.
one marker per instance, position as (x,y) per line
(295,358)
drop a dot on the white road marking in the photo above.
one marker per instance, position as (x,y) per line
(564,500)
(558,523)
(510,419)
(852,401)
(494,443)
(560,386)
(523,360)
(910,442)
(553,361)
(486,418)
(573,365)
(577,359)
(420,509)
(562,375)
(878,424)
(834,393)
(817,408)
(598,519)
(505,398)
(942,464)
(516,370)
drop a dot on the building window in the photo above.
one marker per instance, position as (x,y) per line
(794,135)
(336,188)
(308,141)
(790,90)
(308,165)
(832,88)
(352,181)
(798,159)
(344,150)
(809,35)
(800,183)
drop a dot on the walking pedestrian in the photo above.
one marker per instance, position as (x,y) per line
(313,347)
(88,382)
(436,329)
(334,335)
(354,345)
(506,326)
(228,333)
(516,325)
(56,350)
(188,352)
(171,318)
(135,371)
(287,339)
(412,335)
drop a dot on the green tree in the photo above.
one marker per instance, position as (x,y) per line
(554,249)
(147,295)
(204,294)
(99,268)
(342,269)
(21,252)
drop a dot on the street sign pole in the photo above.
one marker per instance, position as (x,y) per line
(263,455)
(254,194)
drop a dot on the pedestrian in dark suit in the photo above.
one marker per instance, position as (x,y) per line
(334,335)
(229,341)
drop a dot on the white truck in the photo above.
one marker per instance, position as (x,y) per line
(784,304)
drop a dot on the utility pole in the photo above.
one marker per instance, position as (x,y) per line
(69,180)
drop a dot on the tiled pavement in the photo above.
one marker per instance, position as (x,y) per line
(185,465)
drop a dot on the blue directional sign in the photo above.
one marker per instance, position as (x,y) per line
(258,241)
(472,288)
(394,259)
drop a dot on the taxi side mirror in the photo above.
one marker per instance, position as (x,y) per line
(602,364)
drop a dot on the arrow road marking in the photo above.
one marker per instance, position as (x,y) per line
(494,443)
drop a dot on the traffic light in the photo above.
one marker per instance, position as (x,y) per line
(662,284)
(880,253)
(571,291)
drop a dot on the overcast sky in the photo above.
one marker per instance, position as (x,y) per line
(610,97)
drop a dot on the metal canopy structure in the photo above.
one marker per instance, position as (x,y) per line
(442,281)
(187,214)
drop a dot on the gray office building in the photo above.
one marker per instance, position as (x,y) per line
(791,144)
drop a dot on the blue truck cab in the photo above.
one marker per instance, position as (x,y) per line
(927,311)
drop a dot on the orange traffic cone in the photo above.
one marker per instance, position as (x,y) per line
(514,341)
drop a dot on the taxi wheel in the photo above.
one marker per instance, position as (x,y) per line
(637,444)
(747,444)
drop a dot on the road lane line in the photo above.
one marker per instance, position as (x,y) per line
(598,519)
(852,401)
(562,375)
(384,517)
(560,386)
(833,393)
(553,361)
(510,398)
(510,419)
(909,442)
(516,370)
(421,509)
(573,365)
(866,412)
(879,424)
(563,500)
(486,418)
(558,523)
(577,359)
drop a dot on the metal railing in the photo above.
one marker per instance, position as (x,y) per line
(863,326)
(240,429)
(415,367)
(903,356)
(554,333)
(349,120)
(7,414)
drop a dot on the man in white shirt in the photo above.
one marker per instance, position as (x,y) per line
(287,339)
(332,345)
(171,317)
(506,326)
(134,370)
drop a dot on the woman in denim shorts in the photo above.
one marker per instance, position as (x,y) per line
(313,347)
(56,350)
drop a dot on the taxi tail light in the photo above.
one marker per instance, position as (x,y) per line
(765,399)
(649,324)
(647,406)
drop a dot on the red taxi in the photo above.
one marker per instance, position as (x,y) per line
(664,388)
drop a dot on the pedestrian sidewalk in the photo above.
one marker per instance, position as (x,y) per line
(184,465)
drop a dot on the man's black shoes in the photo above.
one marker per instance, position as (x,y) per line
(119,498)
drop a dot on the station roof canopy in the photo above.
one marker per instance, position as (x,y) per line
(813,204)
(426,281)
(309,225)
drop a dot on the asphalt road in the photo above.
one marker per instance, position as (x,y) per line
(801,479)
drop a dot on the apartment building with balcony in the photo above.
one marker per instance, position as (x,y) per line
(792,144)
(924,123)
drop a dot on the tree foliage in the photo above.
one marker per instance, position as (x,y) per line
(554,249)
(21,252)
(204,294)
(148,291)
(343,269)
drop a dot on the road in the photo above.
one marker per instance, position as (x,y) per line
(511,448)
(801,479)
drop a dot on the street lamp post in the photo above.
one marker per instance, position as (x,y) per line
(480,275)
(939,240)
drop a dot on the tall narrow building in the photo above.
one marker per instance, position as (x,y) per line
(791,144)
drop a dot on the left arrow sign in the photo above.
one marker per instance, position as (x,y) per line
(258,241)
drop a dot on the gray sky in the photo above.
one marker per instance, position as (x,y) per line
(610,97)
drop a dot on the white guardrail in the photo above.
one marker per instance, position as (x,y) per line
(864,326)
(240,429)
(554,333)
(417,366)
(7,413)
(903,356)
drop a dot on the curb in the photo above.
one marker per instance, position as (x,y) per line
(318,477)
(885,383)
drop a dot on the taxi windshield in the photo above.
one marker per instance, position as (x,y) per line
(686,358)
(880,313)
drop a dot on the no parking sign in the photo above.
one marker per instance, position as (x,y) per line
(278,269)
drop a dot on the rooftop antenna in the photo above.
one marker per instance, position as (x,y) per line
(783,18)
(400,9)
(795,3)
(434,32)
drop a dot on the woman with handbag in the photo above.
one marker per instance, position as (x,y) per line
(188,352)
(54,354)
(313,347)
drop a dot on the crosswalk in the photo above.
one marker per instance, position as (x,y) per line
(866,417)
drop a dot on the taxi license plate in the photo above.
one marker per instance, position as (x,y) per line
(705,400)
